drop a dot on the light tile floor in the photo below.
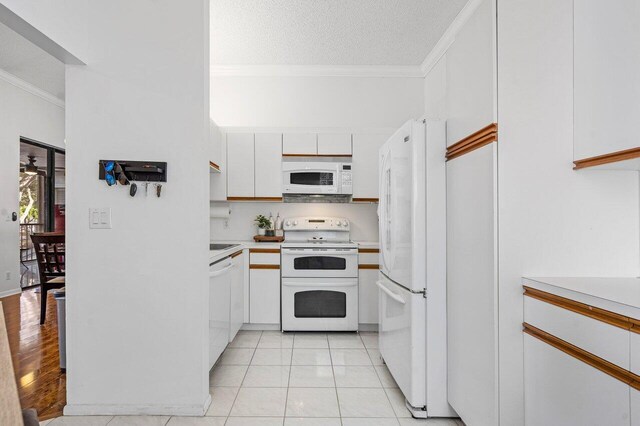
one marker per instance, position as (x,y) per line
(288,379)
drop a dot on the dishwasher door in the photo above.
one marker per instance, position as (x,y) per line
(219,307)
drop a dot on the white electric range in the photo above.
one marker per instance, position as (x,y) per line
(319,275)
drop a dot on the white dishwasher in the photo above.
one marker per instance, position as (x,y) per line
(219,307)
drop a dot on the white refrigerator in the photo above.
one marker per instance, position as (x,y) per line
(412,279)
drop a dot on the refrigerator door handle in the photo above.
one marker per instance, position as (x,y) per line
(390,293)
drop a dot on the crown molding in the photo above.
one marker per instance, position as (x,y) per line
(406,71)
(449,36)
(28,87)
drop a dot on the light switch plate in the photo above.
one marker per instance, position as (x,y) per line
(100,218)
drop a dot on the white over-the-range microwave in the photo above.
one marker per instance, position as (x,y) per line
(317,177)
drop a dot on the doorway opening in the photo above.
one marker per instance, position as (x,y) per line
(42,201)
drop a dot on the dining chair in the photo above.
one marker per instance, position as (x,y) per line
(50,254)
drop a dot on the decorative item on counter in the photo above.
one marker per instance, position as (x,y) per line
(263,224)
(133,189)
(265,239)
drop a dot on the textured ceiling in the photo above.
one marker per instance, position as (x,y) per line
(327,32)
(28,62)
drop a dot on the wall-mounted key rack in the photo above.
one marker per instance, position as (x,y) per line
(141,171)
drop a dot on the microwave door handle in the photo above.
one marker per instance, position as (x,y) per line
(312,169)
(325,252)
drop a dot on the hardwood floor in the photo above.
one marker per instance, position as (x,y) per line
(34,351)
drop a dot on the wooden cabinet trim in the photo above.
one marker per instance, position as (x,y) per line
(365,200)
(262,266)
(236,254)
(605,366)
(214,166)
(275,199)
(599,314)
(368,250)
(264,250)
(612,157)
(368,266)
(476,140)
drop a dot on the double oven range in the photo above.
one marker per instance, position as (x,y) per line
(319,275)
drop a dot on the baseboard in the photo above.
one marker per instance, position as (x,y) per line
(269,327)
(11,292)
(367,327)
(260,327)
(136,410)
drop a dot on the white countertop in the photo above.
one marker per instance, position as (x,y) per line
(619,295)
(216,255)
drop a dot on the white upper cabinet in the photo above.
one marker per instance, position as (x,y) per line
(217,156)
(299,144)
(606,77)
(240,165)
(471,75)
(335,144)
(268,165)
(365,164)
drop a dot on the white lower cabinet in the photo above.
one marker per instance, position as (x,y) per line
(367,296)
(264,297)
(562,390)
(635,407)
(264,286)
(236,315)
(367,288)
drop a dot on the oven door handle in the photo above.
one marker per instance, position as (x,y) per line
(314,285)
(390,293)
(321,252)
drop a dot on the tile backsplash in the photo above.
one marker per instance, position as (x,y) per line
(240,226)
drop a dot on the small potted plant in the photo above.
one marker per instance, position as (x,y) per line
(263,223)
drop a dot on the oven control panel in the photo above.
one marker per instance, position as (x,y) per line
(316,224)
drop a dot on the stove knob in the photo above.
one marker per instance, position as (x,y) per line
(295,222)
(288,223)
(339,224)
(345,223)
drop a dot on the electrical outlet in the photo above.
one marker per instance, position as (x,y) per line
(7,276)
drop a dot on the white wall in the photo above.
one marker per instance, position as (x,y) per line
(137,313)
(554,221)
(363,218)
(21,114)
(315,101)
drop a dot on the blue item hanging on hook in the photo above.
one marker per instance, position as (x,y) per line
(109,175)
